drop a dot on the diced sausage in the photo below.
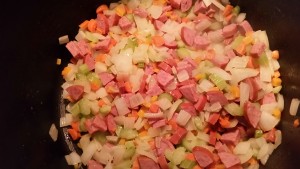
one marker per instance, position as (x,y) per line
(203,156)
(113,20)
(213,118)
(220,61)
(158,24)
(103,45)
(112,87)
(185,5)
(201,102)
(252,114)
(165,67)
(178,135)
(78,49)
(73,49)
(270,135)
(167,8)
(189,107)
(162,162)
(164,78)
(229,159)
(159,123)
(254,88)
(201,42)
(176,94)
(75,92)
(143,83)
(125,23)
(230,54)
(232,137)
(163,17)
(99,123)
(92,164)
(268,98)
(89,126)
(170,61)
(216,96)
(245,27)
(83,48)
(189,92)
(114,111)
(140,12)
(211,10)
(229,30)
(257,49)
(147,163)
(199,7)
(102,24)
(164,144)
(105,77)
(89,61)
(111,124)
(171,45)
(221,147)
(188,35)
(187,82)
(154,90)
(175,3)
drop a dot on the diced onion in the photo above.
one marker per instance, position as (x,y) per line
(164,103)
(63,39)
(183,117)
(66,121)
(53,132)
(294,106)
(73,158)
(88,152)
(173,108)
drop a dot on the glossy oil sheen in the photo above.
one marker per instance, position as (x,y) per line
(30,79)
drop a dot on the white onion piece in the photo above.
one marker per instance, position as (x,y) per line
(240,18)
(182,76)
(207,2)
(202,25)
(53,132)
(237,62)
(183,117)
(118,153)
(206,85)
(260,142)
(129,122)
(155,11)
(263,151)
(147,154)
(100,67)
(160,114)
(101,93)
(104,156)
(119,120)
(246,157)
(164,103)
(265,73)
(73,158)
(294,106)
(172,109)
(88,152)
(154,132)
(267,121)
(220,72)
(278,138)
(241,74)
(66,121)
(218,4)
(121,106)
(85,141)
(261,36)
(242,147)
(136,100)
(63,39)
(140,122)
(280,101)
(264,159)
(203,136)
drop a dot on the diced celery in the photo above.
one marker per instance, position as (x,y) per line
(189,144)
(80,76)
(130,150)
(89,36)
(172,166)
(130,17)
(198,123)
(105,109)
(182,53)
(169,154)
(237,41)
(128,134)
(100,136)
(94,78)
(236,10)
(263,60)
(180,44)
(234,109)
(84,105)
(118,130)
(218,81)
(258,133)
(187,164)
(81,125)
(208,64)
(84,69)
(131,43)
(75,110)
(277,89)
(126,164)
(178,155)
(166,95)
(141,65)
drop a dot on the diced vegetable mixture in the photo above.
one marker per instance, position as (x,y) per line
(171,84)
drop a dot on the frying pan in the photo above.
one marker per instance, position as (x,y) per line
(30,78)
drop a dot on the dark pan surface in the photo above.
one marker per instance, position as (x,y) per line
(30,78)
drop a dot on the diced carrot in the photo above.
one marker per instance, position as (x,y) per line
(252,161)
(141,113)
(134,113)
(190,156)
(143,133)
(173,124)
(227,10)
(224,121)
(241,49)
(101,103)
(296,123)
(219,166)
(74,134)
(214,89)
(152,144)
(101,8)
(84,25)
(276,74)
(198,59)
(100,58)
(128,10)
(75,125)
(158,41)
(146,126)
(92,25)
(252,63)
(122,141)
(235,91)
(128,87)
(197,167)
(95,86)
(70,99)
(66,71)
(154,108)
(135,164)
(185,20)
(206,130)
(275,54)
(229,17)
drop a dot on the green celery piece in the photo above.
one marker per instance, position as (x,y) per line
(198,123)
(84,69)
(131,43)
(75,110)
(166,95)
(94,78)
(118,130)
(105,109)
(234,109)
(182,53)
(80,76)
(178,155)
(263,60)
(141,65)
(277,89)
(84,105)
(89,36)
(187,164)
(169,154)
(100,136)
(128,134)
(237,41)
(126,164)
(258,133)
(218,81)
(81,125)
(236,10)
(130,17)
(130,150)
